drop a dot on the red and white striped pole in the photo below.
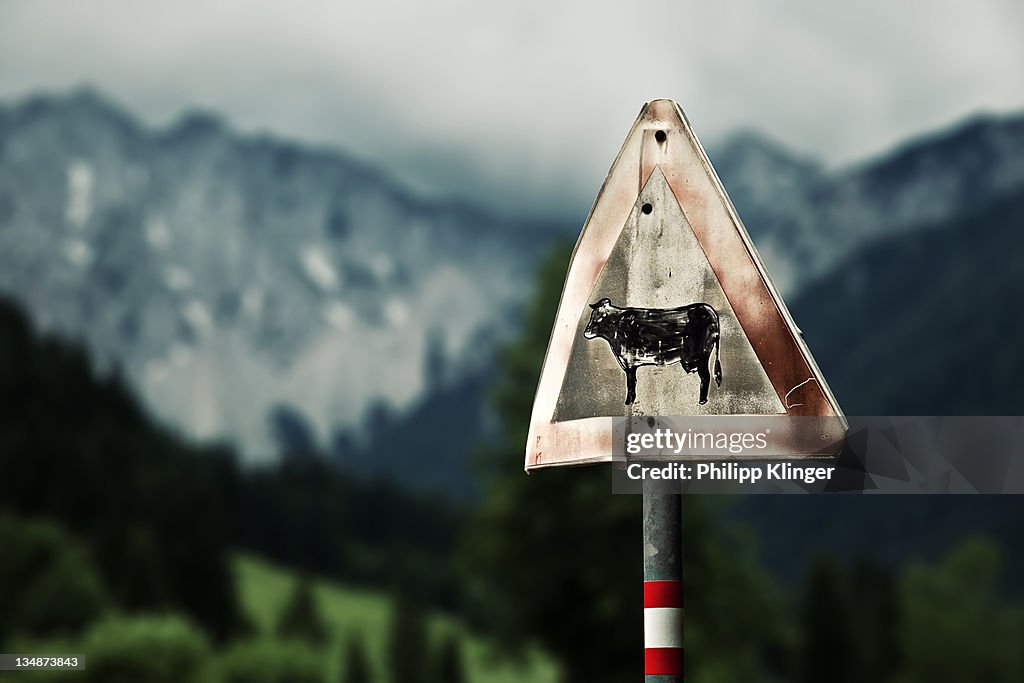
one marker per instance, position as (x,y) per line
(663,587)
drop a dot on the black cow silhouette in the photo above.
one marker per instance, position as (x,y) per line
(659,336)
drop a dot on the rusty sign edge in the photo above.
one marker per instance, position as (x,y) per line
(766,277)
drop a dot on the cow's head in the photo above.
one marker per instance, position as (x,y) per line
(599,325)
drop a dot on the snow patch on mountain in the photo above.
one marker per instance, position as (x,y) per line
(78,253)
(157,233)
(319,269)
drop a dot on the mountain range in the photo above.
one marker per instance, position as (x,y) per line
(806,219)
(230,275)
(234,277)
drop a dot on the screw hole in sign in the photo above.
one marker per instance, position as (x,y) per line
(647,208)
(660,136)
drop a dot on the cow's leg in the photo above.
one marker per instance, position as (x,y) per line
(705,378)
(630,385)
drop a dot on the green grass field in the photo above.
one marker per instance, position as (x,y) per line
(265,588)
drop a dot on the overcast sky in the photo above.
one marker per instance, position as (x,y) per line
(527,102)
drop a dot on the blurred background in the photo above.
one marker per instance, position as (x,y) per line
(276,280)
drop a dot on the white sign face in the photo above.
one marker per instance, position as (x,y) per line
(667,309)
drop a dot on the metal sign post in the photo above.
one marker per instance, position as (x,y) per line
(663,586)
(668,312)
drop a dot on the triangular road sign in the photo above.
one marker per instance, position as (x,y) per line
(667,309)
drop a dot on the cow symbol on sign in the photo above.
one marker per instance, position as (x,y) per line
(659,336)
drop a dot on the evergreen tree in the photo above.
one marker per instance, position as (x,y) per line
(407,642)
(356,666)
(448,664)
(140,581)
(301,618)
(829,636)
(958,625)
(878,619)
(48,584)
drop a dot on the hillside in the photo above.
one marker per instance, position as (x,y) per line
(925,323)
(159,515)
(922,323)
(264,589)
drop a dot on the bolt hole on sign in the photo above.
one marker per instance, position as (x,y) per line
(667,310)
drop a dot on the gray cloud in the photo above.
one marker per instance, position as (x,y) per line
(525,103)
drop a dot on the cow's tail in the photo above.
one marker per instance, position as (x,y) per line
(718,363)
